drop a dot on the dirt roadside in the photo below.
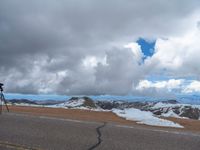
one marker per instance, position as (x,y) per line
(97,116)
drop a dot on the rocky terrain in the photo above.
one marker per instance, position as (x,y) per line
(169,108)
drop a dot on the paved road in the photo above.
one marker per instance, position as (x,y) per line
(33,132)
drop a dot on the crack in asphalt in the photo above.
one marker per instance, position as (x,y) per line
(98,130)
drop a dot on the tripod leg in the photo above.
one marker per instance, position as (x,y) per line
(1,104)
(3,98)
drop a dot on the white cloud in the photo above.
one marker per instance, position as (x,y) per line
(121,72)
(168,85)
(194,86)
(67,47)
(92,61)
(177,56)
(182,85)
(136,49)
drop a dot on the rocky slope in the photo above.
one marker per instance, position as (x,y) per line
(170,108)
(79,102)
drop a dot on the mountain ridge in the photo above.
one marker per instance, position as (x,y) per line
(167,108)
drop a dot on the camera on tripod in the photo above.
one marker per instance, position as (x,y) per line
(1,87)
(2,99)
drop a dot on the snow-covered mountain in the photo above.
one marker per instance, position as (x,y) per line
(28,102)
(79,103)
(175,110)
(169,108)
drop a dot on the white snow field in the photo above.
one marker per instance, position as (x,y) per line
(144,117)
(71,103)
(74,103)
(164,105)
(170,113)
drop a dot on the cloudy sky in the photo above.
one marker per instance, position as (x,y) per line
(97,47)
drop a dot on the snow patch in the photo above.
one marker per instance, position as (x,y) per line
(72,103)
(170,113)
(164,105)
(144,117)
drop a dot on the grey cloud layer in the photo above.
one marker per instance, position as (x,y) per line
(43,43)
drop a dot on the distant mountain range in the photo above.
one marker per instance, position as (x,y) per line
(33,102)
(182,98)
(168,108)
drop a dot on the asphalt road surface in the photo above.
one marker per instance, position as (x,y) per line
(22,132)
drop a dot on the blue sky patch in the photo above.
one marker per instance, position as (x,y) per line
(147,46)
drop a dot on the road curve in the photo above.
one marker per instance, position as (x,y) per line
(22,132)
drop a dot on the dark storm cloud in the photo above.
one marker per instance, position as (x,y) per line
(120,73)
(43,43)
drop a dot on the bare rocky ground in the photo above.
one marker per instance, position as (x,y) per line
(167,108)
(97,116)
